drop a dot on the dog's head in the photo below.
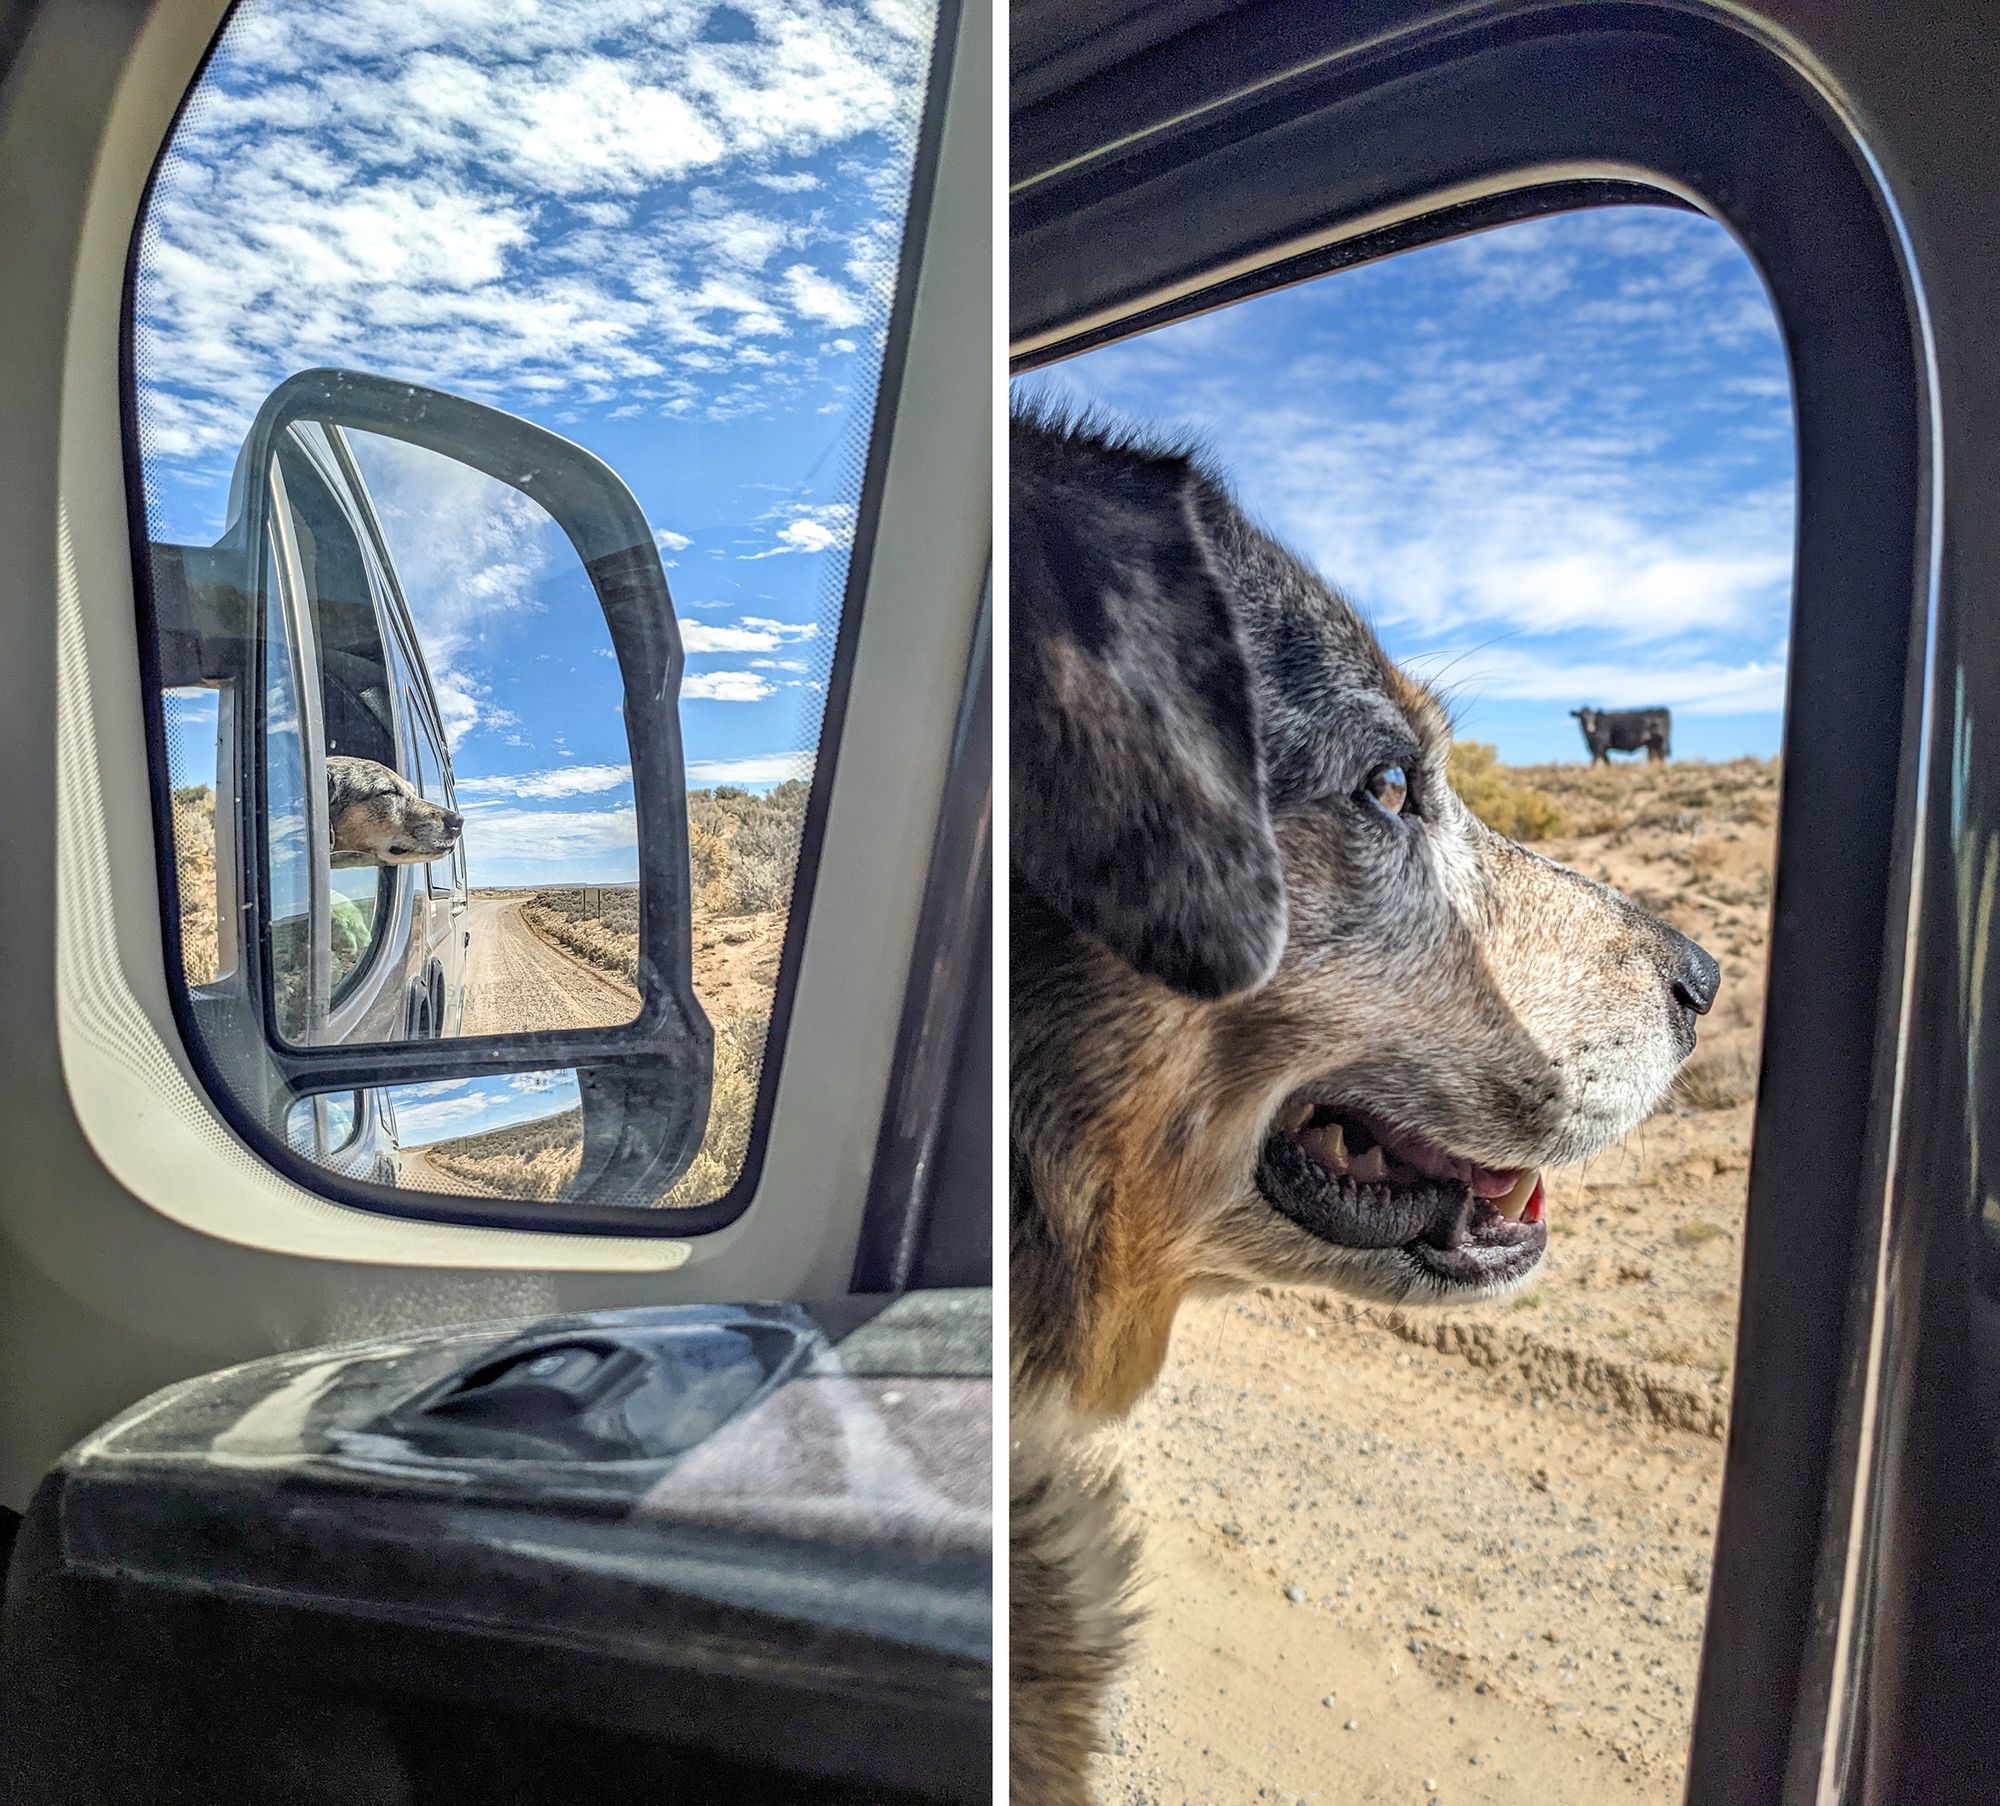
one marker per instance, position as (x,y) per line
(1284,1008)
(377,818)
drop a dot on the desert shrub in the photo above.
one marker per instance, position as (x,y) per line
(745,848)
(1502,799)
(194,871)
(762,856)
(708,862)
(615,909)
(535,1160)
(591,938)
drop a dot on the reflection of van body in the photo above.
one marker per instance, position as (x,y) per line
(363,953)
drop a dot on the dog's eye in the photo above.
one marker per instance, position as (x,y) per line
(1389,789)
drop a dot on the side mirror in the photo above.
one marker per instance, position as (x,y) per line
(329,866)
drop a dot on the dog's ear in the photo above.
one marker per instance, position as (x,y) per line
(1138,794)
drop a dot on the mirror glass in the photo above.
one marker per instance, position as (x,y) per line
(515,1135)
(510,1135)
(407,600)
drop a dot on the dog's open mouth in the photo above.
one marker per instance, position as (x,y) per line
(1352,1179)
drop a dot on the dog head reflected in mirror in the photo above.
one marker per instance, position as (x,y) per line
(376,817)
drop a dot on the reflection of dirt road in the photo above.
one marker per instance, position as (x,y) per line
(414,1172)
(515,980)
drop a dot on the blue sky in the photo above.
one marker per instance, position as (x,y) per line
(1553,463)
(666,230)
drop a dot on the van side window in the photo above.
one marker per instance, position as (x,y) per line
(289,820)
(430,784)
(356,715)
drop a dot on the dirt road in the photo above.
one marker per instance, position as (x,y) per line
(1377,1577)
(515,980)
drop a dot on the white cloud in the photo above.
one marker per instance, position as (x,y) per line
(807,536)
(761,768)
(468,195)
(669,541)
(817,298)
(1692,687)
(436,1121)
(496,832)
(1558,450)
(752,633)
(565,780)
(536,1084)
(726,686)
(471,552)
(809,528)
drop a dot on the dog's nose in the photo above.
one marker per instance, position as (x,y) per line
(1691,971)
(453,821)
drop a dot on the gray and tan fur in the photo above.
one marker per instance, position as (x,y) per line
(375,816)
(1212,917)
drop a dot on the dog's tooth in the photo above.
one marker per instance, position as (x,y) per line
(1368,1168)
(1299,1118)
(1327,1145)
(1515,1201)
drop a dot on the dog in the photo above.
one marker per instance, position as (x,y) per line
(376,817)
(1284,1010)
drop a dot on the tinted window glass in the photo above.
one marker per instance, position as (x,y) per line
(289,824)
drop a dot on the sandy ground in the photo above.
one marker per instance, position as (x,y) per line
(736,962)
(516,981)
(1462,1556)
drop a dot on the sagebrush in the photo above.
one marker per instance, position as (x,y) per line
(194,873)
(1502,799)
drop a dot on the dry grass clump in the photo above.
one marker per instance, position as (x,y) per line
(194,871)
(1501,797)
(558,916)
(1687,796)
(1717,1078)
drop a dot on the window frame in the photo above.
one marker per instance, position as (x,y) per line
(620,1221)
(1142,191)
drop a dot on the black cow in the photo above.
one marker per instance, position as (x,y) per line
(1627,730)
